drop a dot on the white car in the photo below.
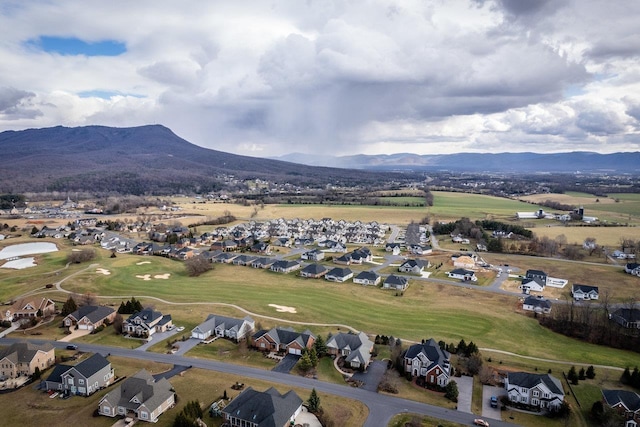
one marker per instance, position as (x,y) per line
(480,422)
(180,328)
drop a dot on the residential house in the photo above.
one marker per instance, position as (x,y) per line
(225,257)
(28,308)
(397,283)
(146,323)
(632,268)
(22,358)
(283,242)
(463,274)
(83,379)
(355,348)
(626,317)
(140,396)
(261,248)
(314,271)
(283,340)
(313,255)
(367,278)
(421,249)
(584,292)
(227,327)
(536,274)
(263,262)
(343,259)
(532,284)
(90,317)
(394,248)
(429,362)
(284,266)
(415,266)
(536,304)
(538,390)
(244,260)
(626,403)
(224,245)
(263,409)
(339,274)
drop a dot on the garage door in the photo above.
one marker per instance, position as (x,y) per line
(295,351)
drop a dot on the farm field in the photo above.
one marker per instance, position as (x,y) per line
(449,206)
(443,311)
(623,208)
(605,236)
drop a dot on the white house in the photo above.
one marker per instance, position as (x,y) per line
(536,304)
(463,274)
(537,390)
(584,292)
(227,327)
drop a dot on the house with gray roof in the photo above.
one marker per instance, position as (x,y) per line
(285,266)
(223,327)
(283,340)
(90,317)
(263,409)
(463,274)
(314,271)
(366,278)
(22,358)
(536,304)
(146,323)
(397,283)
(355,348)
(415,266)
(584,292)
(313,255)
(339,274)
(428,361)
(626,403)
(537,390)
(263,262)
(139,396)
(83,379)
(626,317)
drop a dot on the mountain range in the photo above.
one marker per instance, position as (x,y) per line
(153,160)
(140,160)
(571,162)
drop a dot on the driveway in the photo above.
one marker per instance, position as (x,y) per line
(156,338)
(465,391)
(184,346)
(372,377)
(177,369)
(487,410)
(75,333)
(287,363)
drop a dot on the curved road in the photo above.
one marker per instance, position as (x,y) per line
(381,407)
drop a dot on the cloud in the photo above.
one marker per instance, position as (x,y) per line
(16,104)
(270,78)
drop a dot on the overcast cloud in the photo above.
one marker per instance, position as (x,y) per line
(334,77)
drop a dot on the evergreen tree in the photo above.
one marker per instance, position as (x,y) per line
(471,349)
(128,308)
(635,378)
(591,373)
(122,309)
(442,345)
(305,363)
(451,391)
(320,346)
(581,374)
(462,347)
(313,356)
(69,306)
(572,376)
(313,402)
(626,376)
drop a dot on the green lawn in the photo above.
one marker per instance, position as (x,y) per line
(427,309)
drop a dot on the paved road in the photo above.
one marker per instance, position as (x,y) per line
(381,407)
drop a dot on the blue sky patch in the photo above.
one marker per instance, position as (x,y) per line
(75,46)
(105,94)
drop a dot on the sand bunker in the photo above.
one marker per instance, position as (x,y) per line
(283,308)
(156,276)
(143,262)
(103,271)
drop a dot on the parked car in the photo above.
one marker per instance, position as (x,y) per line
(180,328)
(494,402)
(72,347)
(480,422)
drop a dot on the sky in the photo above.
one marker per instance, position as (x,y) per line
(267,78)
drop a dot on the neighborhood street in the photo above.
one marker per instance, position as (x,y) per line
(381,407)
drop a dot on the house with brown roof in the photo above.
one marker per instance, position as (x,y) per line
(90,317)
(283,340)
(22,358)
(28,308)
